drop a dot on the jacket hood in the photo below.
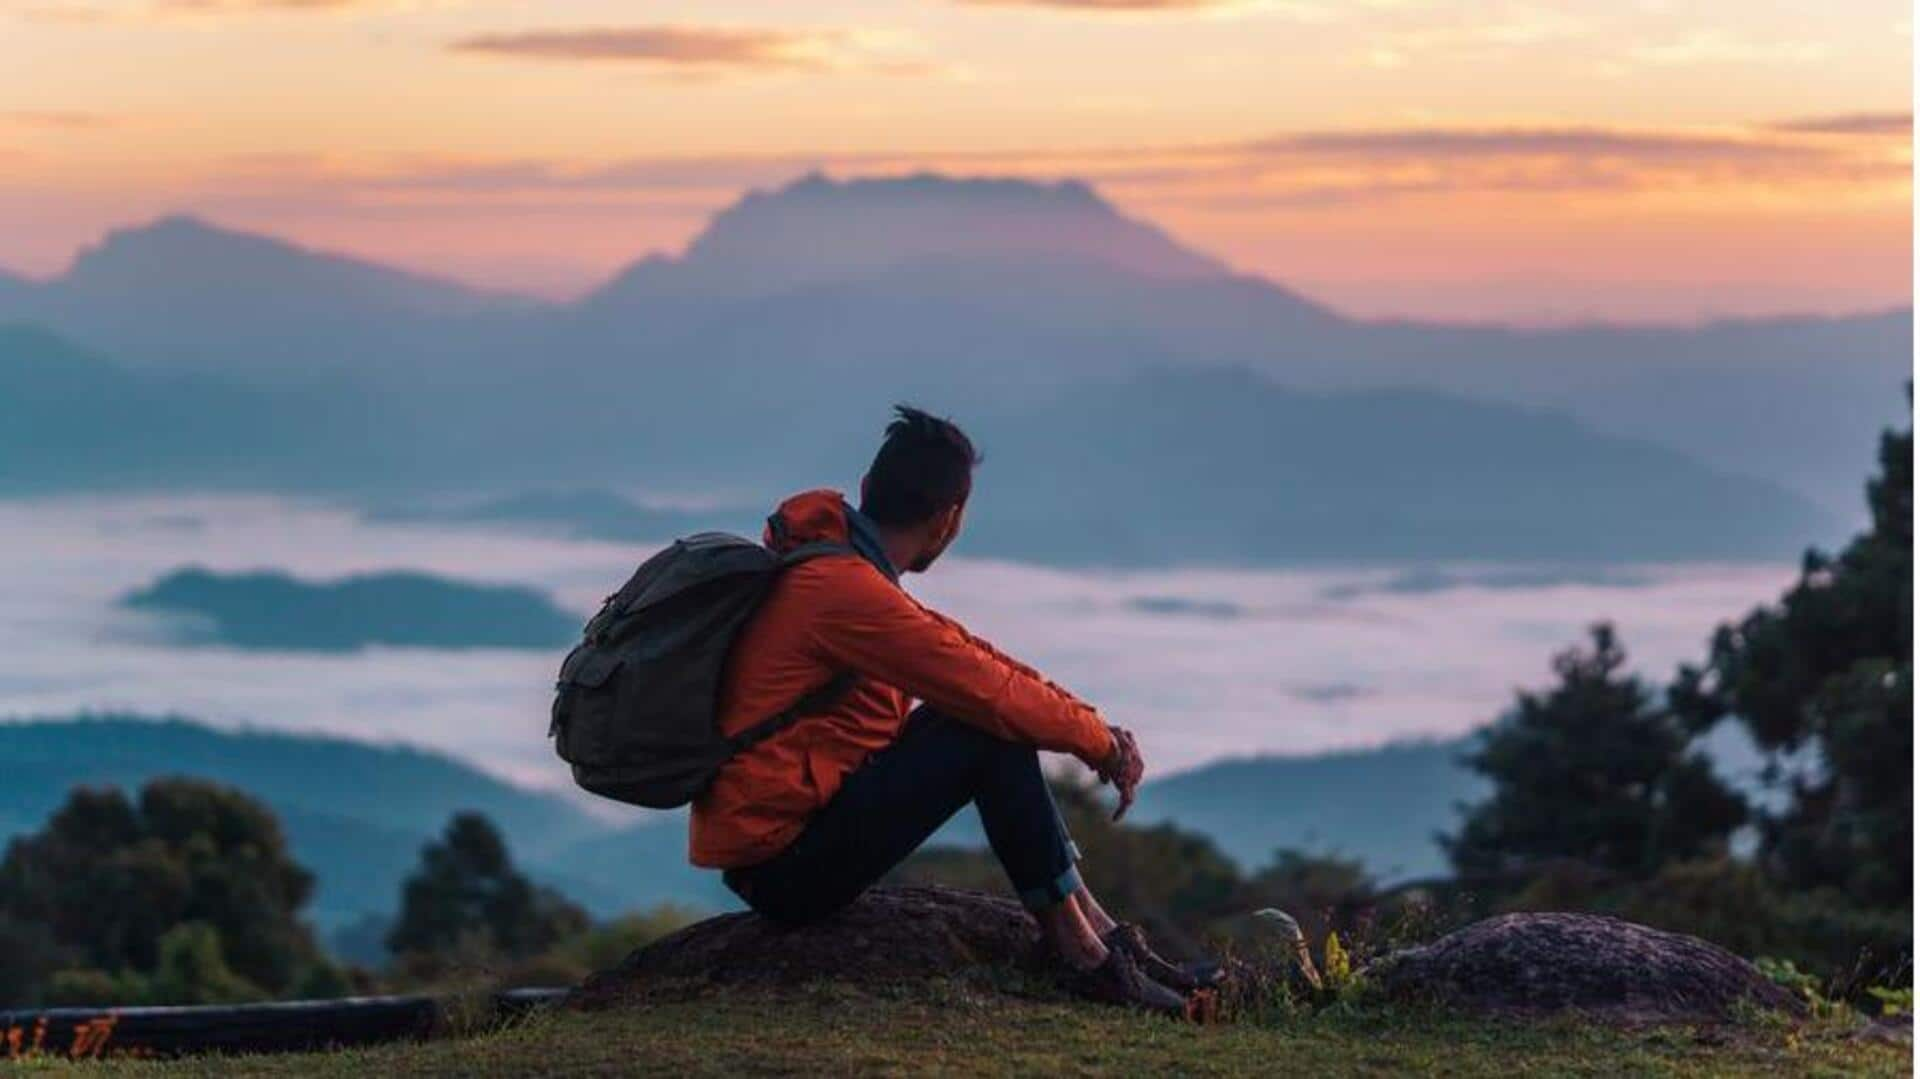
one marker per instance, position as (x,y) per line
(809,517)
(823,516)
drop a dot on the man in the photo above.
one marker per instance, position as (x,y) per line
(805,821)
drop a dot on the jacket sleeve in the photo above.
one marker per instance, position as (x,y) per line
(869,626)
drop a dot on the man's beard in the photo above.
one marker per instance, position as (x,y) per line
(928,558)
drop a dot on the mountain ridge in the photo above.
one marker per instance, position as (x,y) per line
(816,230)
(185,241)
(1201,465)
(832,299)
(720,238)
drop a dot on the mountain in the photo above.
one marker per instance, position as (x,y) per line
(355,813)
(185,258)
(1209,465)
(816,230)
(184,294)
(1380,806)
(971,310)
(1121,473)
(1799,401)
(16,292)
(644,864)
(1384,806)
(764,355)
(72,419)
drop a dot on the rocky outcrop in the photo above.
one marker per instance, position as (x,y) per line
(1516,964)
(1530,964)
(888,935)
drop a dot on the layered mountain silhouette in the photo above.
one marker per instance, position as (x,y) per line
(357,814)
(183,294)
(817,231)
(764,356)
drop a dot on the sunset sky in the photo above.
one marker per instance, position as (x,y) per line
(1618,159)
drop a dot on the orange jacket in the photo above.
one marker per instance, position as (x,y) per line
(838,613)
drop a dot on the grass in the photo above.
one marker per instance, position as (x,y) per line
(943,1029)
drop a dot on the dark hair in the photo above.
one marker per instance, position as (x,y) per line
(924,467)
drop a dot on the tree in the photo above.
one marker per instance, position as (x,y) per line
(1829,670)
(467,889)
(1594,772)
(108,881)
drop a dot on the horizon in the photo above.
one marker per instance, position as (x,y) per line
(585,291)
(1518,165)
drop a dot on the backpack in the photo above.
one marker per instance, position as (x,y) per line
(636,706)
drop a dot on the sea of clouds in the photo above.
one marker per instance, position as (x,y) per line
(1202,663)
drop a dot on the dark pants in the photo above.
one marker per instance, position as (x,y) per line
(903,794)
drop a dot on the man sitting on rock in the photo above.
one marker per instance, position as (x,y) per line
(808,819)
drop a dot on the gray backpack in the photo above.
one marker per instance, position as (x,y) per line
(636,707)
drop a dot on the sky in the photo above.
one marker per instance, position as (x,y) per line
(1535,162)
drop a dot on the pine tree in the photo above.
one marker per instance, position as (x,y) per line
(467,889)
(1592,771)
(1823,681)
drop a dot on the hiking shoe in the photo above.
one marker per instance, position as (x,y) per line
(1185,977)
(1119,981)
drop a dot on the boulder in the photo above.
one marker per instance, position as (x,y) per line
(1516,964)
(1530,964)
(888,935)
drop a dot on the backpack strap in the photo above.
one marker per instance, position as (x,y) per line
(824,697)
(817,700)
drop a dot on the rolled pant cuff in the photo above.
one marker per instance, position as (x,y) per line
(1053,893)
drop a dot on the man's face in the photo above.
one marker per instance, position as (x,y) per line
(946,529)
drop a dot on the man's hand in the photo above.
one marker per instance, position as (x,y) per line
(1123,768)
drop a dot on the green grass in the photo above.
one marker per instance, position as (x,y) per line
(947,1030)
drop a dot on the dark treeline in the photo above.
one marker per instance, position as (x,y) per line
(187,894)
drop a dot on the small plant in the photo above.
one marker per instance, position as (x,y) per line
(1894,1000)
(1783,973)
(1338,966)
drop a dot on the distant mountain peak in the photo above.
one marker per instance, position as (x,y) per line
(185,254)
(817,228)
(928,187)
(182,233)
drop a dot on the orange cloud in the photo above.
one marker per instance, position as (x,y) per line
(1293,169)
(1772,216)
(1852,123)
(697,48)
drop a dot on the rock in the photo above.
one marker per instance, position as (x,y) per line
(887,935)
(1609,969)
(1516,964)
